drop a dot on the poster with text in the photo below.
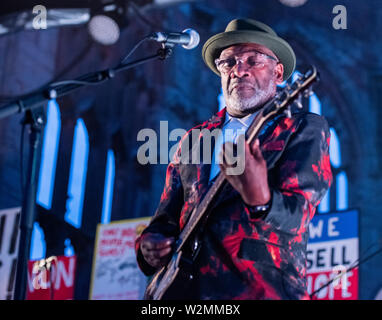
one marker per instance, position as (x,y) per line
(115,272)
(333,249)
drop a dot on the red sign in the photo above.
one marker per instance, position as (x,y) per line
(343,288)
(51,278)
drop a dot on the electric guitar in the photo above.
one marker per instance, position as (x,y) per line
(171,280)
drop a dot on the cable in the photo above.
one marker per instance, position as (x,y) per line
(73,63)
(134,48)
(152,26)
(96,81)
(66,82)
(363,253)
(78,58)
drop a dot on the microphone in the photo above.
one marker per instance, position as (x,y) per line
(188,38)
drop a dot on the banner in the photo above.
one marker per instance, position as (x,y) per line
(115,272)
(9,239)
(51,279)
(332,249)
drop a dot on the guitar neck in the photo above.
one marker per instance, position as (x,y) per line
(200,211)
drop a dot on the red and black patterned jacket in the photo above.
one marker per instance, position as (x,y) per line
(246,257)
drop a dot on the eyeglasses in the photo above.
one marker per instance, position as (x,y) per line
(255,60)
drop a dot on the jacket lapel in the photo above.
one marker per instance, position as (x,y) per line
(215,122)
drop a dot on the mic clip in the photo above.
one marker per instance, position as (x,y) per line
(165,51)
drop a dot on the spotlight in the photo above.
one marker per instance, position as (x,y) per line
(106,22)
(293,3)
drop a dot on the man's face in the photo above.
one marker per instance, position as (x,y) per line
(252,80)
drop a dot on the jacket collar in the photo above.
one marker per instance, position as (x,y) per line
(217,120)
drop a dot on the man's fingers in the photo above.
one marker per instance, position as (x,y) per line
(163,243)
(157,263)
(233,179)
(228,154)
(159,254)
(158,258)
(156,249)
(255,149)
(156,242)
(248,149)
(165,252)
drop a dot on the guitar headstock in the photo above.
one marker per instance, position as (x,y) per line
(293,93)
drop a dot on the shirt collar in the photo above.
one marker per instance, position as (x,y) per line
(245,121)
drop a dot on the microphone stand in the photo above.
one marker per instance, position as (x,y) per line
(33,107)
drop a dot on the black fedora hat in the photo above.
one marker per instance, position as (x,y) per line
(249,31)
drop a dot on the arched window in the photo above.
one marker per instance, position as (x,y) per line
(49,156)
(38,244)
(77,176)
(108,188)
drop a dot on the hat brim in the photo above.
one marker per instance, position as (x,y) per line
(214,45)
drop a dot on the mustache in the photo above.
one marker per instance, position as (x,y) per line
(236,82)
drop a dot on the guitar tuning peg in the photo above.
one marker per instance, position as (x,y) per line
(299,80)
(288,113)
(298,102)
(308,92)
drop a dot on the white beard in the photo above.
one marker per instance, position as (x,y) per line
(240,104)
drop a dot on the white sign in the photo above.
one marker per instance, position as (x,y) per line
(115,274)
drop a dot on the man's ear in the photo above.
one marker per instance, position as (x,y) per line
(279,72)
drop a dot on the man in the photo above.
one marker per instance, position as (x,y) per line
(254,242)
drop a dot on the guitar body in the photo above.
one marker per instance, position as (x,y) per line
(171,281)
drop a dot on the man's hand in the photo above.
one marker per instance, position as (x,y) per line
(252,184)
(156,249)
